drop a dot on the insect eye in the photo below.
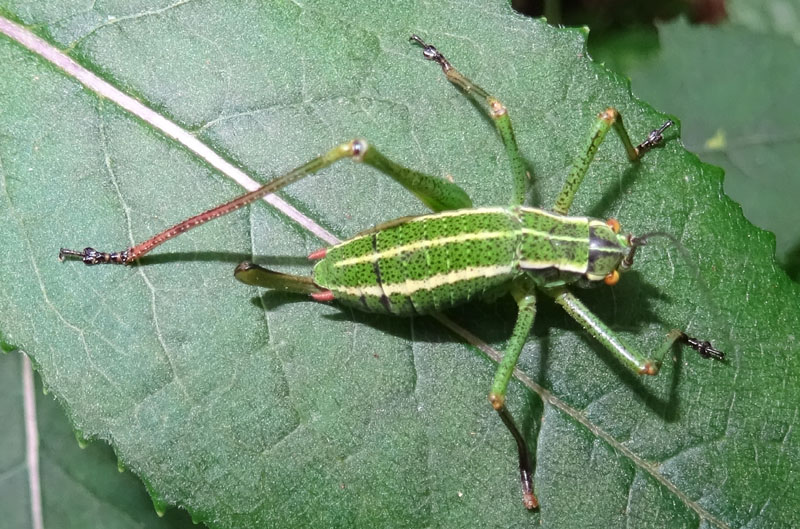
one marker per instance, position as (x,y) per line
(613,224)
(612,278)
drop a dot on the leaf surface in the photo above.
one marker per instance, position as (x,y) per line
(252,409)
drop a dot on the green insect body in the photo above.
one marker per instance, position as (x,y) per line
(425,264)
(431,263)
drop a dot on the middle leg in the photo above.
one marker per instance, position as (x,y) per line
(526,301)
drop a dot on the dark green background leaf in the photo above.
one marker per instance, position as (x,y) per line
(771,17)
(737,90)
(80,487)
(14,489)
(261,410)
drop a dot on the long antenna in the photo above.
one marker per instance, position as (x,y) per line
(703,347)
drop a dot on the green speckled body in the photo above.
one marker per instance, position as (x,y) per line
(429,263)
(425,264)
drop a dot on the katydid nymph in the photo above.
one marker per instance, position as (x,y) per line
(426,264)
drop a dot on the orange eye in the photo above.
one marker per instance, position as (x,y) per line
(612,278)
(613,224)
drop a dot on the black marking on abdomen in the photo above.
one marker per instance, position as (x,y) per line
(385,301)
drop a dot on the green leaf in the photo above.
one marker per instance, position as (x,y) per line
(773,17)
(14,489)
(252,409)
(622,51)
(736,90)
(79,487)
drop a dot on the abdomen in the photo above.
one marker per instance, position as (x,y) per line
(424,264)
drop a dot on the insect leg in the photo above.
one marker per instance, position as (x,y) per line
(526,300)
(255,275)
(607,119)
(436,193)
(631,358)
(498,113)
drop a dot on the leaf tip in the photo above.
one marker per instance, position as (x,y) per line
(83,442)
(159,505)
